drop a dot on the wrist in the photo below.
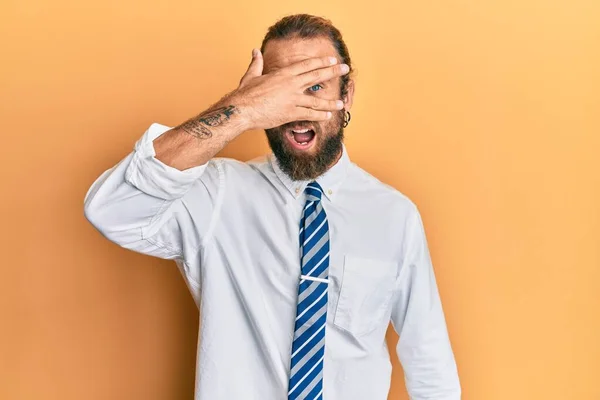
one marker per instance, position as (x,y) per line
(242,116)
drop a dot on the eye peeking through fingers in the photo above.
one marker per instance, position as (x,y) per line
(315,88)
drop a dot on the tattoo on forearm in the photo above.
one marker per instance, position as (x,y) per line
(199,126)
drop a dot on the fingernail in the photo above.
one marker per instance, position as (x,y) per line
(345,68)
(333,60)
(328,114)
(339,104)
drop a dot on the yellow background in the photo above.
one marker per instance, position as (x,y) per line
(485,113)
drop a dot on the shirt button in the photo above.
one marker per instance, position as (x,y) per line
(297,190)
(330,191)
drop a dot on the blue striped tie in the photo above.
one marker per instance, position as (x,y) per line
(308,348)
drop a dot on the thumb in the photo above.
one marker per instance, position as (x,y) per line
(255,68)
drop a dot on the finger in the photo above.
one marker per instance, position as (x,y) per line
(322,75)
(309,64)
(308,114)
(255,68)
(316,103)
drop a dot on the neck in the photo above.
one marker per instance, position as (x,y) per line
(336,159)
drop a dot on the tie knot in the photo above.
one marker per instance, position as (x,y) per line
(314,191)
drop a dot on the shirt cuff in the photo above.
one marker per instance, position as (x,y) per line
(152,176)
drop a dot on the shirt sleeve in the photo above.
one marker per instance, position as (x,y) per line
(144,205)
(424,347)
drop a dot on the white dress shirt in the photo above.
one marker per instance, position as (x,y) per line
(232,228)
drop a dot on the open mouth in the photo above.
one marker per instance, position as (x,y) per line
(301,138)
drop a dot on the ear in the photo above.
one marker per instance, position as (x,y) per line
(349,97)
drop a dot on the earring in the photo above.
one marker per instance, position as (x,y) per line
(347,118)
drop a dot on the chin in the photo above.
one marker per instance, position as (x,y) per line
(305,155)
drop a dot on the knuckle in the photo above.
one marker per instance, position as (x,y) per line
(316,102)
(316,75)
(306,64)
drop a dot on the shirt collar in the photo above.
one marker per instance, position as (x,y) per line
(330,181)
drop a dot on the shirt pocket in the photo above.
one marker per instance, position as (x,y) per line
(366,290)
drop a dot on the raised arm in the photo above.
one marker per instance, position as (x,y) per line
(169,184)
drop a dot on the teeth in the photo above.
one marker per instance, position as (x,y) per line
(299,130)
(302,143)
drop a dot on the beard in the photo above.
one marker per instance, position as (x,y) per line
(304,167)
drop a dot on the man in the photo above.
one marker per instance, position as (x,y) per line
(297,262)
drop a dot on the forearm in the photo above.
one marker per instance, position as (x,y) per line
(200,138)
